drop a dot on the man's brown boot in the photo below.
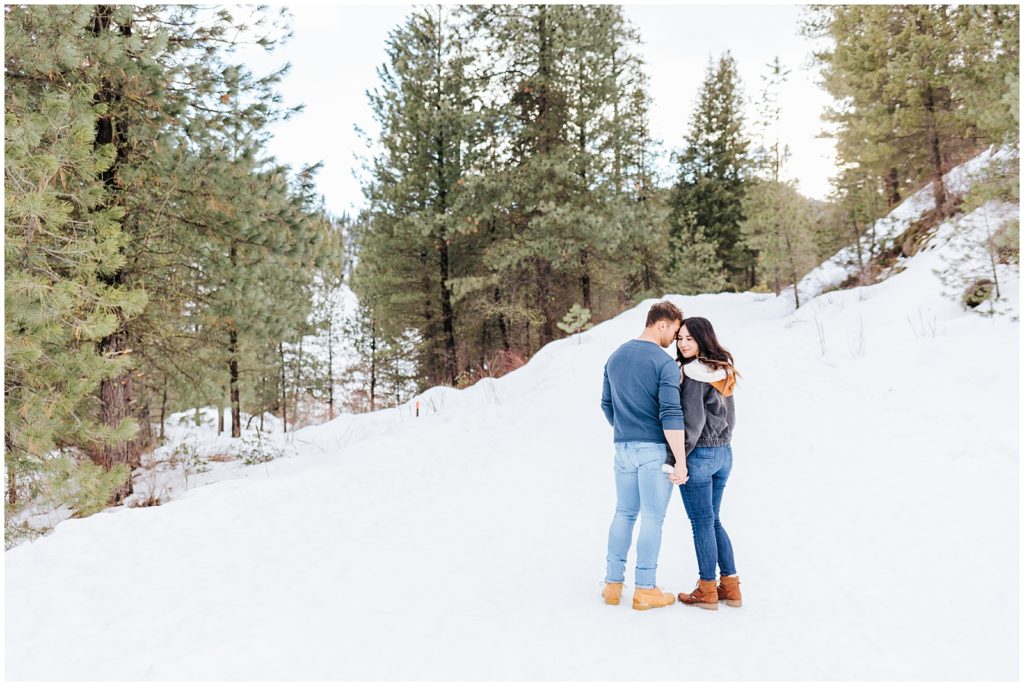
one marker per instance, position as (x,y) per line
(704,596)
(612,593)
(647,598)
(729,591)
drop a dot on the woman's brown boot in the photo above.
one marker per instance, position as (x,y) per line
(729,591)
(704,596)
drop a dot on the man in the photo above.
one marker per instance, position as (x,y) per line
(641,401)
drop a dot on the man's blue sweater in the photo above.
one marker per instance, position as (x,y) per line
(641,393)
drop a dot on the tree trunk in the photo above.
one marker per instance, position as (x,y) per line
(585,279)
(284,388)
(117,402)
(502,325)
(860,253)
(220,410)
(117,393)
(12,486)
(429,328)
(441,164)
(330,368)
(792,269)
(263,399)
(236,409)
(547,330)
(298,386)
(163,408)
(935,153)
(373,364)
(892,188)
(447,316)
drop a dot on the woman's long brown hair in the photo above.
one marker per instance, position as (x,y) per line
(710,351)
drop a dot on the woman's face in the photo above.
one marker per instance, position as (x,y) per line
(687,346)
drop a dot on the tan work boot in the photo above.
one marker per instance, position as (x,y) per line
(729,591)
(612,593)
(704,596)
(646,598)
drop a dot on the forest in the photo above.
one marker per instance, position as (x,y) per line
(158,258)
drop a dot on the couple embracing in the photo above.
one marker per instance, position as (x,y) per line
(673,421)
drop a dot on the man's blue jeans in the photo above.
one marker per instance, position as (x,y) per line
(640,488)
(708,470)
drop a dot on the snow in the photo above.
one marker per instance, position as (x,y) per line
(958,181)
(872,507)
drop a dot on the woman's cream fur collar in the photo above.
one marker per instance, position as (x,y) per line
(698,371)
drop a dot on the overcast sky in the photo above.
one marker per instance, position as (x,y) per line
(336,50)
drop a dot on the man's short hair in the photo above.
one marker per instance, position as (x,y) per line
(663,311)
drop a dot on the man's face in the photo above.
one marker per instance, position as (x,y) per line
(668,332)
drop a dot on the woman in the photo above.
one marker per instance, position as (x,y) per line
(708,380)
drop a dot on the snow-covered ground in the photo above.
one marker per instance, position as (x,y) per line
(833,271)
(872,506)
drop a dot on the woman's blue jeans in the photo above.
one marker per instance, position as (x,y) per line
(640,488)
(708,470)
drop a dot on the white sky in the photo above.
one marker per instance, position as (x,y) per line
(336,49)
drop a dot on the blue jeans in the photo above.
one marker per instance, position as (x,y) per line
(708,469)
(640,488)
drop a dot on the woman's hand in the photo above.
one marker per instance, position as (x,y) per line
(679,475)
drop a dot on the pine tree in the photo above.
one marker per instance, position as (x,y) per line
(328,310)
(713,175)
(62,241)
(778,221)
(565,179)
(576,321)
(902,75)
(176,213)
(425,113)
(779,227)
(989,80)
(854,72)
(697,268)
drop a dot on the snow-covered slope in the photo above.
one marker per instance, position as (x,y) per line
(872,506)
(958,181)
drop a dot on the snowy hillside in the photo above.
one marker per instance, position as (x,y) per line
(872,506)
(958,180)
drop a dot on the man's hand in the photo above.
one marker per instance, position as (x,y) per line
(677,443)
(679,475)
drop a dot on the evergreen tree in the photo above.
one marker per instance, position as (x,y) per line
(425,112)
(918,87)
(565,180)
(857,200)
(533,183)
(328,311)
(60,243)
(160,73)
(779,227)
(576,321)
(854,72)
(697,268)
(713,176)
(778,221)
(989,80)
(138,194)
(62,240)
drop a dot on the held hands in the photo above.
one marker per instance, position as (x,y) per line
(678,475)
